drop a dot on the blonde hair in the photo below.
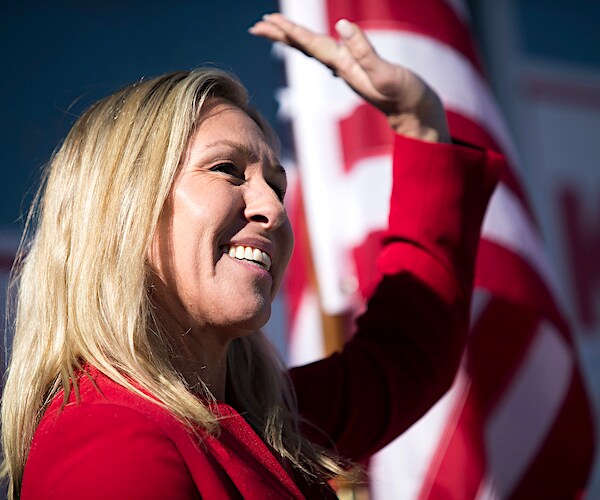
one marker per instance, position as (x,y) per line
(81,279)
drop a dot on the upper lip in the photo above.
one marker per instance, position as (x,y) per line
(262,244)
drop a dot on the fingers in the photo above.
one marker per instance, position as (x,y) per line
(301,36)
(269,31)
(342,57)
(277,27)
(268,28)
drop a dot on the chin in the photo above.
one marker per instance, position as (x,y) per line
(258,320)
(243,322)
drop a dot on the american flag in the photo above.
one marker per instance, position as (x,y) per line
(517,422)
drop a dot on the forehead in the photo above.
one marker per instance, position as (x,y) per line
(223,125)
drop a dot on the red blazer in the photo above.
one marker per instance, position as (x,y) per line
(403,357)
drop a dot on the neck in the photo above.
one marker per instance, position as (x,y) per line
(200,363)
(200,355)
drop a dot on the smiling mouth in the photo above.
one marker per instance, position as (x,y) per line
(250,254)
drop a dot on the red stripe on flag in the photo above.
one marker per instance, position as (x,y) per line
(506,275)
(466,130)
(358,141)
(458,465)
(499,340)
(297,276)
(434,18)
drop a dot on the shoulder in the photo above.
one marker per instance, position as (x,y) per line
(110,443)
(100,398)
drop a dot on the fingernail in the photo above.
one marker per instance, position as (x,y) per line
(344,28)
(266,16)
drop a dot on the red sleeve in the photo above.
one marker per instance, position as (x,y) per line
(104,451)
(408,344)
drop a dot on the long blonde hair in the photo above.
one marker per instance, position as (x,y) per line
(81,278)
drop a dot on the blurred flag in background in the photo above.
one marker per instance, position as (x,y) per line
(517,422)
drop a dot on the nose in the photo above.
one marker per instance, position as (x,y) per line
(263,205)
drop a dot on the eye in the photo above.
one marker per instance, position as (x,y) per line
(229,169)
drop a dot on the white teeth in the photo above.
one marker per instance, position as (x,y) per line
(266,260)
(249,253)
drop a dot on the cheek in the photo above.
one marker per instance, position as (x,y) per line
(202,219)
(206,203)
(175,246)
(191,222)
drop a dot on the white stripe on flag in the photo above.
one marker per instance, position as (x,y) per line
(363,198)
(398,471)
(309,13)
(314,88)
(306,339)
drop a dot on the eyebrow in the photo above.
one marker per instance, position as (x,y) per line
(246,151)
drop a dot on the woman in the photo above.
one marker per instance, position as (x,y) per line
(138,368)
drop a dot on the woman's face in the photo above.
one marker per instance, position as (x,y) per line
(223,240)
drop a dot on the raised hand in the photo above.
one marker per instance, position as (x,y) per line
(411,106)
